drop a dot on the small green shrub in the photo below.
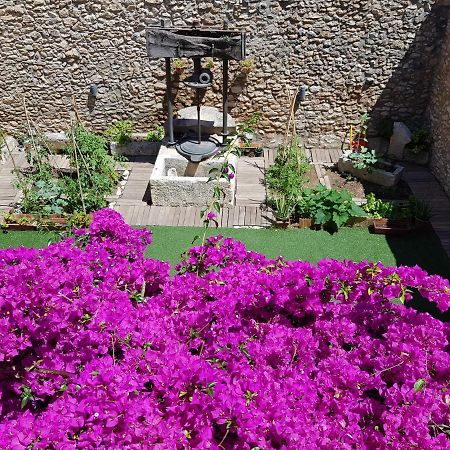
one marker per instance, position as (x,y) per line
(419,209)
(96,177)
(364,160)
(328,207)
(421,142)
(120,132)
(287,176)
(380,209)
(156,134)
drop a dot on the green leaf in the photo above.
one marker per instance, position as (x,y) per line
(419,384)
(319,218)
(216,206)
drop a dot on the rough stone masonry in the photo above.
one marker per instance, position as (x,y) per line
(355,56)
(439,115)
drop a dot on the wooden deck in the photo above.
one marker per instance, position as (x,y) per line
(249,211)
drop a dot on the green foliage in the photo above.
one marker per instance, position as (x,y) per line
(385,127)
(179,64)
(45,197)
(287,176)
(419,209)
(380,209)
(328,207)
(283,208)
(421,142)
(120,132)
(80,220)
(364,160)
(247,65)
(96,177)
(156,134)
(249,126)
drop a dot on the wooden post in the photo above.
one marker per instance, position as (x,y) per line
(225,101)
(169,101)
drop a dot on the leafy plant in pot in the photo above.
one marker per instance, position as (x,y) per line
(283,208)
(421,212)
(388,218)
(247,133)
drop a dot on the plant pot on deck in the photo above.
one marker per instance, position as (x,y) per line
(360,222)
(305,222)
(251,148)
(280,223)
(138,146)
(422,225)
(386,174)
(392,227)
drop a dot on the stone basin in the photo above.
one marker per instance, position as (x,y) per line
(175,181)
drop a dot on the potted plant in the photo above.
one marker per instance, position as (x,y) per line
(247,65)
(329,208)
(388,218)
(418,150)
(179,65)
(282,211)
(247,133)
(119,135)
(358,139)
(421,212)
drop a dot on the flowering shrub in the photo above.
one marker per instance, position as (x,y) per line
(100,349)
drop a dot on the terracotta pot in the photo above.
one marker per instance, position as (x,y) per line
(281,224)
(391,226)
(305,223)
(422,225)
(360,222)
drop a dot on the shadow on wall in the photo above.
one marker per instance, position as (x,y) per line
(412,79)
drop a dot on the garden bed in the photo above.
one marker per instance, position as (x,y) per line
(360,188)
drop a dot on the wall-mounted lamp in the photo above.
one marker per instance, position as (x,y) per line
(93,90)
(301,95)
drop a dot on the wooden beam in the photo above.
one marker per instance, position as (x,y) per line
(193,42)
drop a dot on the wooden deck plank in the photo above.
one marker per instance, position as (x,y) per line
(241,216)
(224,218)
(190,216)
(154,215)
(258,218)
(182,218)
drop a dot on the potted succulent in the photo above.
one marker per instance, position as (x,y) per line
(247,65)
(179,65)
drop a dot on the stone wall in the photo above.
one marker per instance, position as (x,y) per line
(440,118)
(354,56)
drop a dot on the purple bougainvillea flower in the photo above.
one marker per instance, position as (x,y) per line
(211,215)
(101,349)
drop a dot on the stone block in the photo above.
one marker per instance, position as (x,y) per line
(387,177)
(177,182)
(139,146)
(401,136)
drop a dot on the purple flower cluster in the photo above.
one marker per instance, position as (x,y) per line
(100,349)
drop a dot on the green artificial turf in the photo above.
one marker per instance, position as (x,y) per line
(349,243)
